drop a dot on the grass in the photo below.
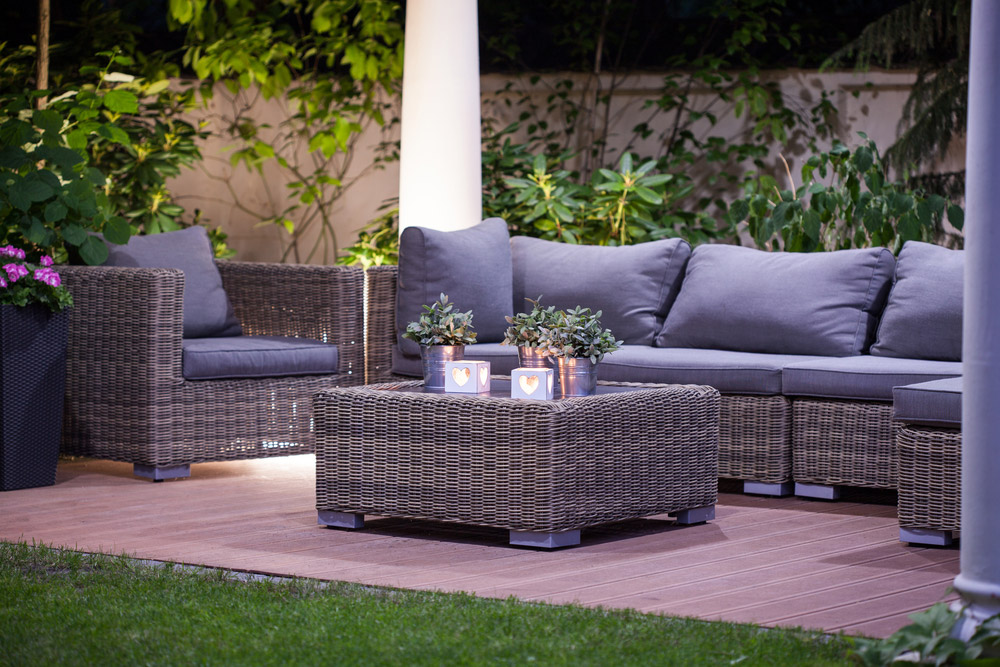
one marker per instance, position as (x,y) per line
(60,607)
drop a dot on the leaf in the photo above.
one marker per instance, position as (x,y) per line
(956,216)
(47,119)
(93,251)
(121,101)
(33,189)
(64,158)
(55,211)
(872,219)
(12,157)
(739,210)
(626,163)
(38,233)
(74,233)
(117,230)
(648,195)
(114,133)
(811,224)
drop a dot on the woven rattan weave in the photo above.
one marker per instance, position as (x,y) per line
(127,400)
(521,465)
(930,477)
(849,443)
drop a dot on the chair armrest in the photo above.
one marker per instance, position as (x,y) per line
(306,301)
(125,329)
(381,325)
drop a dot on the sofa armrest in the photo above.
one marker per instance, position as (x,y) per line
(306,301)
(125,329)
(381,324)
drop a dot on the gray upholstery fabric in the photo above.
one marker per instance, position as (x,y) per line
(256,357)
(207,311)
(934,403)
(923,315)
(729,372)
(862,377)
(632,286)
(502,358)
(472,266)
(823,303)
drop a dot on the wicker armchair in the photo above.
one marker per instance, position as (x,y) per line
(127,400)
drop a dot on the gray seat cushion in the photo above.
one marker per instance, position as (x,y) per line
(923,316)
(823,303)
(502,358)
(256,357)
(472,266)
(934,403)
(728,371)
(863,377)
(632,286)
(207,311)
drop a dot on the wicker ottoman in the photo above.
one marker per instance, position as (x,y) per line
(540,469)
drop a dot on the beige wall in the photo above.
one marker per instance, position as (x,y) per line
(231,196)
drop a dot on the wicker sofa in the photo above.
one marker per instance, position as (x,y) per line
(801,411)
(139,391)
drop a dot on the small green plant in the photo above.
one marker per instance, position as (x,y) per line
(441,324)
(577,332)
(859,207)
(23,283)
(526,328)
(929,640)
(378,243)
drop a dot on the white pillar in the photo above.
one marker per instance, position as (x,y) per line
(440,171)
(979,580)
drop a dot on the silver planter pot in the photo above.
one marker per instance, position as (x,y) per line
(577,376)
(433,358)
(532,357)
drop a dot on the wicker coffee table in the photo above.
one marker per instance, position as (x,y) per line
(540,469)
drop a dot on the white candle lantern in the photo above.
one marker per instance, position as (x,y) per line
(467,377)
(534,383)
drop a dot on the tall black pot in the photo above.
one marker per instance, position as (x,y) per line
(32,382)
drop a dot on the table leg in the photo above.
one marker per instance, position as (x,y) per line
(340,519)
(530,538)
(695,515)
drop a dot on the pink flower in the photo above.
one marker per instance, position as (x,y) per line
(48,276)
(3,283)
(15,271)
(12,252)
(45,260)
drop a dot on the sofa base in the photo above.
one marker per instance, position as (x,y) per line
(926,536)
(349,520)
(766,489)
(817,491)
(540,540)
(161,473)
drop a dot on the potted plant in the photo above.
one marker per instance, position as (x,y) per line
(442,333)
(577,343)
(34,328)
(525,331)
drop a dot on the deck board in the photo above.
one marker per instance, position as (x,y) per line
(832,566)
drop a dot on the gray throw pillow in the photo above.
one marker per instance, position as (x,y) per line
(923,316)
(632,286)
(207,311)
(471,266)
(822,303)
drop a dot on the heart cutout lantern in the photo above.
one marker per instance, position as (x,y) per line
(484,374)
(529,383)
(461,375)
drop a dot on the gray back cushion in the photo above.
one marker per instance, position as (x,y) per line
(632,286)
(823,303)
(207,311)
(923,316)
(472,266)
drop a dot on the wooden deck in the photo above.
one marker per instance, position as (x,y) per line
(837,566)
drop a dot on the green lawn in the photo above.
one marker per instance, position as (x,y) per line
(71,608)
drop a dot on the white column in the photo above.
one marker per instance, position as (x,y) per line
(440,181)
(979,580)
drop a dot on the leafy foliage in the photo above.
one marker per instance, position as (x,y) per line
(933,35)
(378,243)
(929,640)
(23,283)
(526,328)
(577,332)
(441,324)
(50,196)
(858,207)
(333,62)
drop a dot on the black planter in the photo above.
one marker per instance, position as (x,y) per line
(32,383)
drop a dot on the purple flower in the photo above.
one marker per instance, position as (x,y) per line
(45,260)
(48,276)
(15,271)
(3,283)
(12,252)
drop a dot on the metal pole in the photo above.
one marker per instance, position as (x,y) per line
(978,583)
(440,171)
